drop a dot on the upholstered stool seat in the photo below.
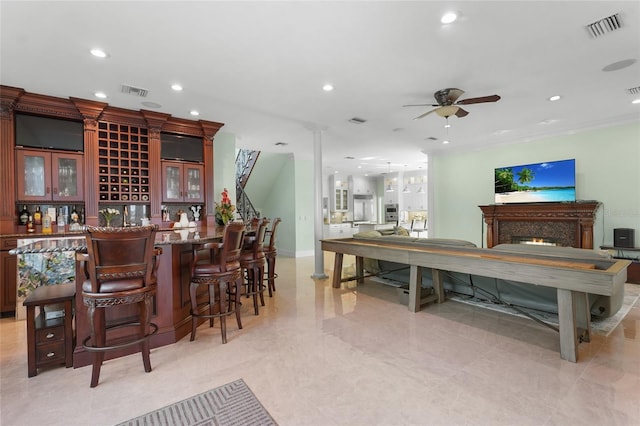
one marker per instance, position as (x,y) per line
(252,261)
(217,266)
(121,266)
(270,253)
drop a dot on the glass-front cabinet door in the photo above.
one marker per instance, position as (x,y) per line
(182,182)
(67,177)
(194,177)
(49,176)
(171,181)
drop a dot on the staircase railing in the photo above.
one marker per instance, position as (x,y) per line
(245,161)
(245,208)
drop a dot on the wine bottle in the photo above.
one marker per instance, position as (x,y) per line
(61,221)
(37,216)
(24,216)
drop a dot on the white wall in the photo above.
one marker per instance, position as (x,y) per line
(607,170)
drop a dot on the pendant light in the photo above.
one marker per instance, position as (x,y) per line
(389,187)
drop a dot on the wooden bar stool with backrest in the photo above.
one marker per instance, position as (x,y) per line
(252,261)
(121,269)
(270,253)
(217,266)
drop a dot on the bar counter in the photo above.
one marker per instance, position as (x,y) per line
(172,302)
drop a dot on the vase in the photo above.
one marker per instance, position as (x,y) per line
(107,222)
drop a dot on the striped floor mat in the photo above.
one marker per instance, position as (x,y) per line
(230,404)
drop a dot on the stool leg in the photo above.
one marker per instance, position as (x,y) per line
(253,288)
(212,303)
(271,270)
(97,322)
(238,284)
(224,307)
(194,308)
(260,275)
(145,319)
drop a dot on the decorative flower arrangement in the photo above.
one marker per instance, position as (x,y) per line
(108,214)
(225,210)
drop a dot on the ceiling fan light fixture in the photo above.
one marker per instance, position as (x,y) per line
(449,18)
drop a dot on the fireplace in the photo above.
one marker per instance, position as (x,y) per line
(538,241)
(565,224)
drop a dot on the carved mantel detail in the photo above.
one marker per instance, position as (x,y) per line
(569,223)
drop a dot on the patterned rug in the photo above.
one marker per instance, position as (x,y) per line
(230,404)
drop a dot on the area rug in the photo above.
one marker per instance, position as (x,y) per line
(228,405)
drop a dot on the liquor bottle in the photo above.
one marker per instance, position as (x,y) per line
(46,223)
(82,215)
(61,221)
(30,227)
(24,216)
(37,216)
(74,215)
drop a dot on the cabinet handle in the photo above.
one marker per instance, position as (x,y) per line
(50,335)
(48,190)
(55,190)
(51,354)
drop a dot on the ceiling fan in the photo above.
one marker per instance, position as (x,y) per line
(448,103)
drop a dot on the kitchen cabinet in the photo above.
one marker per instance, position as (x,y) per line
(338,230)
(49,175)
(182,182)
(341,199)
(362,185)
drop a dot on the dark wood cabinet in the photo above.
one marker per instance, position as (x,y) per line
(182,182)
(44,175)
(8,275)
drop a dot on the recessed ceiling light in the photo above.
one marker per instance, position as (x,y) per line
(449,17)
(445,142)
(635,101)
(100,95)
(327,87)
(554,98)
(194,112)
(446,126)
(99,53)
(176,87)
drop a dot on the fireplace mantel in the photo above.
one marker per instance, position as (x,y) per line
(570,223)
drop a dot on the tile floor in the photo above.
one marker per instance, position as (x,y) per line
(352,356)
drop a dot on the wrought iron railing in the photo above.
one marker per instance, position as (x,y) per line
(245,161)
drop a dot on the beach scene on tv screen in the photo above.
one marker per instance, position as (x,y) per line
(553,181)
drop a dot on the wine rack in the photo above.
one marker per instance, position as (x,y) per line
(123,161)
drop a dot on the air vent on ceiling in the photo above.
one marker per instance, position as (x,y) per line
(356,120)
(134,91)
(604,25)
(634,90)
(431,138)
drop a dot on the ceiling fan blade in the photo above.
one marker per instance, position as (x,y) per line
(482,99)
(410,105)
(461,113)
(425,114)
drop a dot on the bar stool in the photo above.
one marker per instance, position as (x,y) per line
(121,270)
(270,254)
(217,266)
(252,262)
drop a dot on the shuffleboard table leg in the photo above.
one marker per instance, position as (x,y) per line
(415,282)
(337,270)
(567,325)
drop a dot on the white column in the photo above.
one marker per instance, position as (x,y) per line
(317,228)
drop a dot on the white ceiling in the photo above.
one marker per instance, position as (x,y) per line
(259,67)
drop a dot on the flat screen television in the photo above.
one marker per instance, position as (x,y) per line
(552,181)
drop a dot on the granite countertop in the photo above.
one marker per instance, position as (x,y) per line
(75,241)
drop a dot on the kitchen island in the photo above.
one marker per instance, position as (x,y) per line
(172,302)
